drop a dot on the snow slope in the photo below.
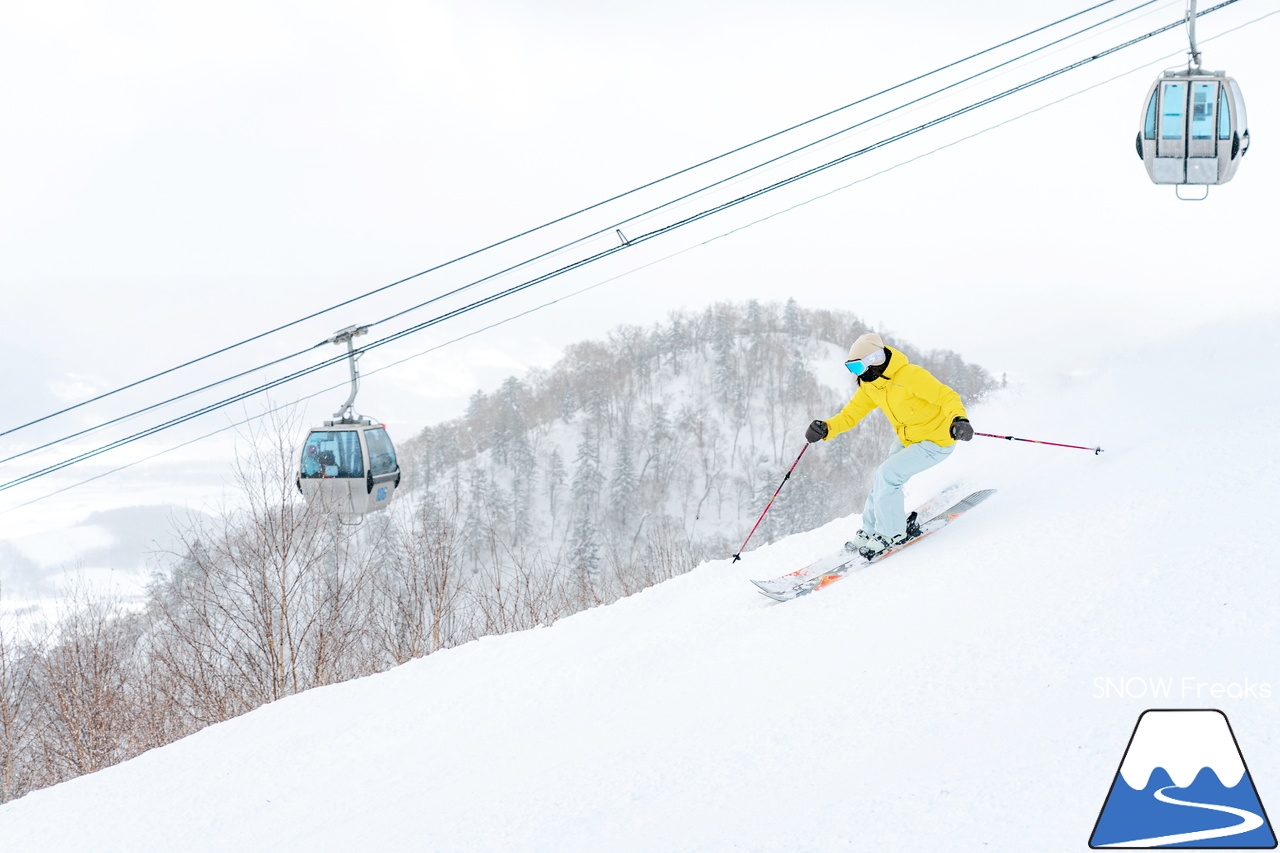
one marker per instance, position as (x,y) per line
(947,699)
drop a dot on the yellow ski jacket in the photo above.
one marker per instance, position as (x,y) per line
(919,407)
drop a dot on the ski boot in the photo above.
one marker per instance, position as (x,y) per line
(861,540)
(878,544)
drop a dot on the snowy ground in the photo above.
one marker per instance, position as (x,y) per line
(951,698)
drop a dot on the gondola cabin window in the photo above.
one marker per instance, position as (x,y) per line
(333,453)
(1173,101)
(1202,101)
(382,456)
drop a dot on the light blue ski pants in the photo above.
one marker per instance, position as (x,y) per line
(885,512)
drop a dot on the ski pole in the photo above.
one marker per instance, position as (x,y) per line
(1096,450)
(738,556)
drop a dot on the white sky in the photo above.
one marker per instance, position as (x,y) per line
(177,177)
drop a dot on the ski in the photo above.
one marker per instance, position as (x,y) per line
(830,562)
(801,582)
(819,566)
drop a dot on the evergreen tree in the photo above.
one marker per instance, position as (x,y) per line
(622,488)
(726,362)
(587,482)
(555,478)
(657,468)
(524,469)
(755,324)
(793,322)
(585,546)
(587,479)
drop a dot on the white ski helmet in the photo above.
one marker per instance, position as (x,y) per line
(865,346)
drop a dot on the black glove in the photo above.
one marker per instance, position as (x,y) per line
(816,431)
(960,429)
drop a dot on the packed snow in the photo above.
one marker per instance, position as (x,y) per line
(955,697)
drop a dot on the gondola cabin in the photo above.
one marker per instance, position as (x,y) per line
(349,468)
(1194,129)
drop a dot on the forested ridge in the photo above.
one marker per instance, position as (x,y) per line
(681,430)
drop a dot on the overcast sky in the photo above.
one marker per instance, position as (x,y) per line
(178,177)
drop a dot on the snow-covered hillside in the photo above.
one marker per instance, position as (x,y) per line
(677,432)
(951,698)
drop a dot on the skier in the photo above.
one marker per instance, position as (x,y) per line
(928,418)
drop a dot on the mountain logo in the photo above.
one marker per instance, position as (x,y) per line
(1183,783)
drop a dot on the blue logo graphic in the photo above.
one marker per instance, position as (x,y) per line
(1183,783)
(382,494)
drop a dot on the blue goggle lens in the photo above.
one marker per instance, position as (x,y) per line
(859,366)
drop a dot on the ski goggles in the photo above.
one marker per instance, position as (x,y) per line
(859,366)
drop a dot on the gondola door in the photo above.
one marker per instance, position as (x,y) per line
(1169,166)
(1202,133)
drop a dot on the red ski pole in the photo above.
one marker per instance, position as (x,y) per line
(1096,450)
(738,556)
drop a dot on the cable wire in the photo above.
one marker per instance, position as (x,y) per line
(606,253)
(557,300)
(550,223)
(616,225)
(734,177)
(174,399)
